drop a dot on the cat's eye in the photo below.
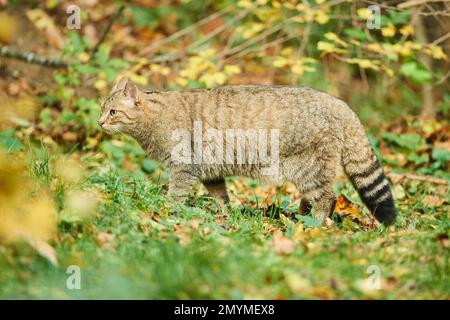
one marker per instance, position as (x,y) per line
(112,112)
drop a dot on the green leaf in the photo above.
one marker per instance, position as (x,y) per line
(399,17)
(441,154)
(9,141)
(149,165)
(309,221)
(417,73)
(418,159)
(356,34)
(410,141)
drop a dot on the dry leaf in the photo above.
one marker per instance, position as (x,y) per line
(106,240)
(344,207)
(45,250)
(9,27)
(297,283)
(43,22)
(432,201)
(283,245)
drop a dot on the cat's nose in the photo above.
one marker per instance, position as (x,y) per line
(101,123)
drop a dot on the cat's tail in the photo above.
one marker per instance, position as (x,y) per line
(365,172)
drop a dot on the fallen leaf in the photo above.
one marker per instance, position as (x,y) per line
(45,250)
(345,208)
(106,240)
(432,201)
(297,283)
(283,245)
(44,23)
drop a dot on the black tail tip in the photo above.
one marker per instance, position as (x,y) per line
(386,214)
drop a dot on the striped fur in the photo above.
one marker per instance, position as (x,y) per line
(366,174)
(318,132)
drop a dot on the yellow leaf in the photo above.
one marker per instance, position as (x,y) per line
(280,62)
(321,17)
(364,13)
(230,69)
(286,51)
(406,30)
(388,71)
(9,27)
(211,79)
(208,53)
(402,49)
(100,84)
(375,47)
(298,69)
(328,47)
(298,19)
(289,5)
(388,31)
(255,28)
(333,37)
(302,7)
(435,51)
(156,68)
(190,73)
(276,4)
(181,81)
(244,4)
(365,63)
(296,283)
(84,57)
(220,78)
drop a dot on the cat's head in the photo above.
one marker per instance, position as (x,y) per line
(122,108)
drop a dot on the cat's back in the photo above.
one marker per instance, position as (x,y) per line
(270,100)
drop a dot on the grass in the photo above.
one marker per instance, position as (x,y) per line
(139,245)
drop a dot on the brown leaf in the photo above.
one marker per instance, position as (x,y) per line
(432,201)
(344,207)
(44,249)
(106,240)
(283,245)
(44,23)
(70,136)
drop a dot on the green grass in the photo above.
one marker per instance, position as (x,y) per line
(166,251)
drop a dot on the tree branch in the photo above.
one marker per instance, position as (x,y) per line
(31,57)
(106,30)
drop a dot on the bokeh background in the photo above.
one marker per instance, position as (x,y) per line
(72,196)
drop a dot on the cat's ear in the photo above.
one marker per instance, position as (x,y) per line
(120,85)
(131,91)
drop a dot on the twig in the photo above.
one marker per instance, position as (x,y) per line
(178,56)
(410,176)
(106,30)
(275,29)
(184,31)
(413,3)
(441,38)
(31,57)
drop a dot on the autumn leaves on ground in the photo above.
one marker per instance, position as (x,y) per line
(72,196)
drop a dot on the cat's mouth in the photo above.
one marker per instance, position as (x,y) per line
(110,129)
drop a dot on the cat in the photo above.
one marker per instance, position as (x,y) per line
(316,133)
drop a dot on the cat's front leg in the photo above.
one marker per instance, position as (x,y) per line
(181,183)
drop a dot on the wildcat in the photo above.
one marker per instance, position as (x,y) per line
(317,133)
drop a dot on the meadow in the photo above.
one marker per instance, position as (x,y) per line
(84,215)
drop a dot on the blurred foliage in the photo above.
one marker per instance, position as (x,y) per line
(99,201)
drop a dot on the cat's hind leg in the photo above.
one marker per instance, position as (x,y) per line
(181,183)
(315,182)
(217,189)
